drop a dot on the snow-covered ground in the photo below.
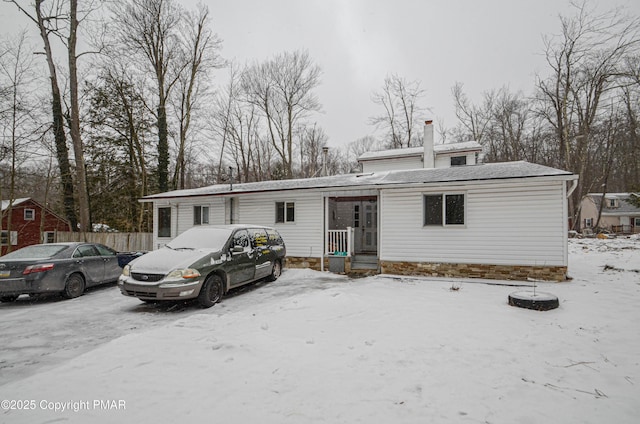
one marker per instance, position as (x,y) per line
(320,348)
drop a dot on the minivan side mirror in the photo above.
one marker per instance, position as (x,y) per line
(237,249)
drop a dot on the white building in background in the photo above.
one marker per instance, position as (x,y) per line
(423,211)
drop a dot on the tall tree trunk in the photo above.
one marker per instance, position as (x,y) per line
(78,148)
(163,145)
(62,152)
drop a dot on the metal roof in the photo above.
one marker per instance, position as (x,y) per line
(489,171)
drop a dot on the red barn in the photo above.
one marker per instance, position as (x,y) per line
(31,223)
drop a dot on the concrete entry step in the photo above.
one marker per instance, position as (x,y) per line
(364,262)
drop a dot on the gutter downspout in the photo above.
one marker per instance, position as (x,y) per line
(325,222)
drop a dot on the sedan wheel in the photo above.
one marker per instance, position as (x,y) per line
(211,292)
(276,271)
(74,286)
(7,299)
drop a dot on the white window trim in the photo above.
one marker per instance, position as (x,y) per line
(285,203)
(45,236)
(202,215)
(33,214)
(13,239)
(444,210)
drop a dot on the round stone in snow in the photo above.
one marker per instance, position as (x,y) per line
(539,301)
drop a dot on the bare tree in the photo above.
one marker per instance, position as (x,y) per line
(312,141)
(74,119)
(400,100)
(199,48)
(474,119)
(237,125)
(47,23)
(586,64)
(358,147)
(282,89)
(148,28)
(17,116)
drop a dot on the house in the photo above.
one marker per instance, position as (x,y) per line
(619,214)
(500,220)
(437,156)
(31,223)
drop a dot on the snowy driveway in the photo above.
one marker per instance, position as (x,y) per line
(39,335)
(313,348)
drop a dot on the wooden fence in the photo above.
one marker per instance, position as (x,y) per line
(122,242)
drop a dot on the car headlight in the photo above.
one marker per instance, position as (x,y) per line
(183,274)
(126,270)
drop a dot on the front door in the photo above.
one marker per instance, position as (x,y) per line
(365,224)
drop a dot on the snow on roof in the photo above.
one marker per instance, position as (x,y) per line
(490,171)
(5,203)
(419,151)
(457,147)
(613,195)
(624,207)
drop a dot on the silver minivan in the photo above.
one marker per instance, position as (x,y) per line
(204,263)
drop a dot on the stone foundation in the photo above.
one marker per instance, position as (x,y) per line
(314,263)
(301,262)
(495,272)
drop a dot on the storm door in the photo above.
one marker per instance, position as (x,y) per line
(365,224)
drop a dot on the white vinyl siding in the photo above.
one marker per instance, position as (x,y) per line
(303,238)
(413,162)
(444,160)
(505,224)
(185,212)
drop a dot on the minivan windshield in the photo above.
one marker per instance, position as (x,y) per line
(201,238)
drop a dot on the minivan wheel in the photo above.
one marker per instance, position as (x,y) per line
(276,271)
(74,286)
(7,299)
(211,291)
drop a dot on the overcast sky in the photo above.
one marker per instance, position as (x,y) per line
(484,44)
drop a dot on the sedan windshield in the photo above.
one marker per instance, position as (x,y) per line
(38,251)
(201,238)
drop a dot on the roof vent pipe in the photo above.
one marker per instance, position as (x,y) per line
(325,154)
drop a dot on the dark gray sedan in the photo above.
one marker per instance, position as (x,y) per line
(66,268)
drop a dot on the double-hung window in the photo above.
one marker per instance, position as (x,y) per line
(285,212)
(200,215)
(444,209)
